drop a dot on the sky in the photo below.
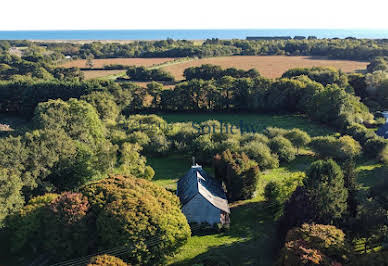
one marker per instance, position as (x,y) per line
(192,14)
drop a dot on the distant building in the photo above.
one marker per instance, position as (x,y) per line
(203,198)
(259,38)
(383,130)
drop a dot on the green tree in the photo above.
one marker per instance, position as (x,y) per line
(11,198)
(238,172)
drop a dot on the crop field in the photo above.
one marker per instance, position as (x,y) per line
(99,63)
(93,74)
(268,66)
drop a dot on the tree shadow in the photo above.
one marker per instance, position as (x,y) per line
(371,177)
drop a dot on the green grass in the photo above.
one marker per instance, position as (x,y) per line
(259,121)
(371,173)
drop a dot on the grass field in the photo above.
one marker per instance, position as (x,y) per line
(98,63)
(259,121)
(268,66)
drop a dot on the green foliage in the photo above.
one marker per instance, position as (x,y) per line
(78,118)
(298,138)
(283,148)
(132,163)
(25,226)
(133,212)
(261,153)
(208,72)
(343,148)
(104,103)
(321,199)
(238,172)
(143,74)
(11,198)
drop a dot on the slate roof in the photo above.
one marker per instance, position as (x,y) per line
(197,181)
(383,131)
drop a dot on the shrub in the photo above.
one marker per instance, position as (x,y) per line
(238,172)
(250,137)
(261,153)
(283,148)
(272,132)
(106,260)
(139,215)
(343,149)
(298,138)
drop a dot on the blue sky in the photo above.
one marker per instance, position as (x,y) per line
(191,14)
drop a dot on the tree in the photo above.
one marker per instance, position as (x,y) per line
(321,199)
(135,213)
(24,227)
(314,244)
(238,172)
(11,198)
(343,148)
(65,227)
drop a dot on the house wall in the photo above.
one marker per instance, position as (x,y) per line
(199,210)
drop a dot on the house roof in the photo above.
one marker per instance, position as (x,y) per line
(197,181)
(383,131)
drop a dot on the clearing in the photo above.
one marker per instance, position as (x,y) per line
(268,66)
(99,63)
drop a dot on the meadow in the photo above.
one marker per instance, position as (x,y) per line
(268,66)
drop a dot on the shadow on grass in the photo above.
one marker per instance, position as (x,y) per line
(253,224)
(373,175)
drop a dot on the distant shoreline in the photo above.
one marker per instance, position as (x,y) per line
(147,35)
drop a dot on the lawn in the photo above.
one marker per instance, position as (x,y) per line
(268,66)
(251,239)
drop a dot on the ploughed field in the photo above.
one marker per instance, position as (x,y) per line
(268,66)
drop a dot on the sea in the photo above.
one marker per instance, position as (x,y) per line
(192,34)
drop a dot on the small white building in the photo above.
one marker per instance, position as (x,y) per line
(203,198)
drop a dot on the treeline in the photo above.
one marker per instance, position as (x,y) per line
(354,49)
(143,74)
(34,66)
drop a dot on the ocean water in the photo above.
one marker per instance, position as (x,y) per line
(188,34)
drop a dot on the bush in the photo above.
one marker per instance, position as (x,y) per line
(272,132)
(298,137)
(106,260)
(283,148)
(344,148)
(261,153)
(238,172)
(139,215)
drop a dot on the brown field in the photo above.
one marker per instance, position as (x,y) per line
(92,74)
(98,63)
(268,66)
